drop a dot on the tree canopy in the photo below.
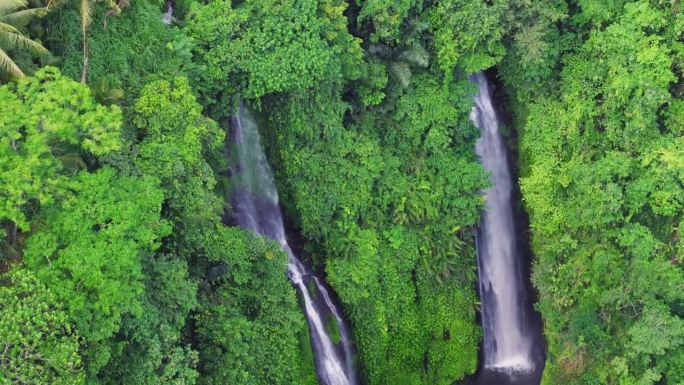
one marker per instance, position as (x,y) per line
(120,258)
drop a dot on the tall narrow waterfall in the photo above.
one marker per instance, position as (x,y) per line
(256,206)
(507,339)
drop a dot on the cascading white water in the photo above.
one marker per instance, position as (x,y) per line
(257,209)
(507,343)
(167,17)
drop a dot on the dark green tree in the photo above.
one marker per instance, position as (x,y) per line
(87,249)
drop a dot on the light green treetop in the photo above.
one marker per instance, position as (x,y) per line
(47,124)
(38,344)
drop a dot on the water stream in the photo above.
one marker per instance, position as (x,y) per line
(510,349)
(167,17)
(256,206)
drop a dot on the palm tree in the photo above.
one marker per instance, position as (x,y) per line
(85,8)
(12,17)
(399,60)
(447,255)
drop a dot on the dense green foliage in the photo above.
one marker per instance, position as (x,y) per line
(177,145)
(89,246)
(125,51)
(114,222)
(397,264)
(248,313)
(263,47)
(115,266)
(392,223)
(49,124)
(39,345)
(601,142)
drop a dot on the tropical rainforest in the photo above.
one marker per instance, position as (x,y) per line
(119,263)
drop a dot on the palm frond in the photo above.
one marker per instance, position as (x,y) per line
(8,66)
(7,28)
(7,6)
(11,40)
(380,50)
(415,55)
(419,26)
(105,93)
(11,37)
(401,71)
(73,162)
(51,4)
(114,9)
(21,18)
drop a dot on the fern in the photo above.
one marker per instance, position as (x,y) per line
(415,55)
(400,60)
(402,72)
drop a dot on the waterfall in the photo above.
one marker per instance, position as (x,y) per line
(256,205)
(167,17)
(507,341)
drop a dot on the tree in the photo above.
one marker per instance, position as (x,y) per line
(150,345)
(88,249)
(262,47)
(250,329)
(177,143)
(400,60)
(533,45)
(467,34)
(174,143)
(49,124)
(387,18)
(38,344)
(12,18)
(415,149)
(86,10)
(124,52)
